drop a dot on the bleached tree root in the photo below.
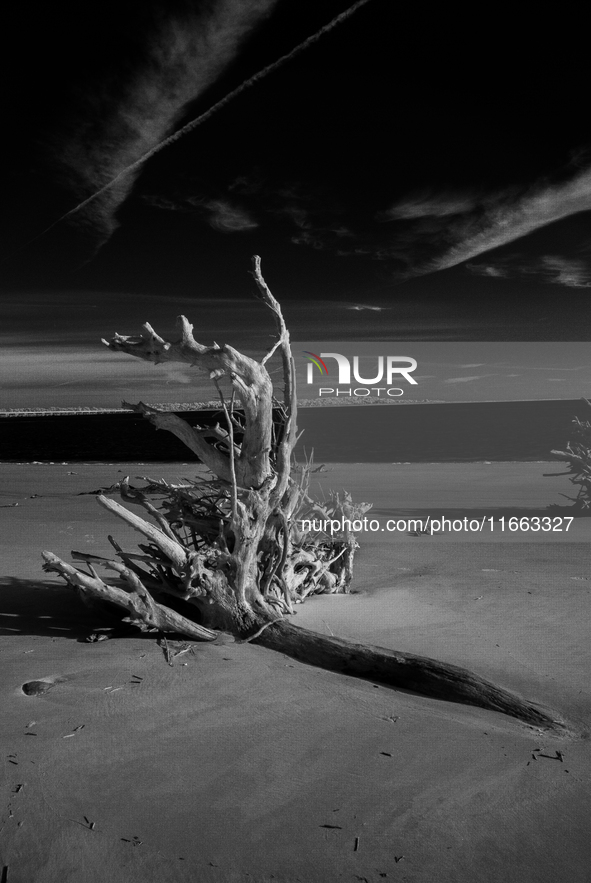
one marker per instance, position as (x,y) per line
(405,671)
(143,610)
(241,547)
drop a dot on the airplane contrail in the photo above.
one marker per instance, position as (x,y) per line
(207,114)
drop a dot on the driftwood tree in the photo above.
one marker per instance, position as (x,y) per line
(232,543)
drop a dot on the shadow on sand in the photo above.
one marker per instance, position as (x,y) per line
(50,609)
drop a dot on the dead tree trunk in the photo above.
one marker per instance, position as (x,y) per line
(233,545)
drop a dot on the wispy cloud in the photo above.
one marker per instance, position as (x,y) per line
(360,307)
(430,231)
(423,205)
(487,270)
(121,117)
(509,218)
(421,233)
(220,213)
(176,374)
(228,218)
(551,269)
(459,227)
(467,379)
(572,273)
(298,214)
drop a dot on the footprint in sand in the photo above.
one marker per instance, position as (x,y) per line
(43,685)
(36,688)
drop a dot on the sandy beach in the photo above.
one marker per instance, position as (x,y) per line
(238,764)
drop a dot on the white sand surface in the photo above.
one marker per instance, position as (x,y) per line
(238,764)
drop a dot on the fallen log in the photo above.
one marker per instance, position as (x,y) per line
(404,671)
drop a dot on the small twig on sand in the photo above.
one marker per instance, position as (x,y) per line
(164,644)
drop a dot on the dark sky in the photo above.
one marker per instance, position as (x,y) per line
(434,162)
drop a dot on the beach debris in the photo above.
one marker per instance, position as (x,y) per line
(397,858)
(102,490)
(18,788)
(4,875)
(180,652)
(386,753)
(336,827)
(74,731)
(95,637)
(8,505)
(90,824)
(163,643)
(356,845)
(557,756)
(134,840)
